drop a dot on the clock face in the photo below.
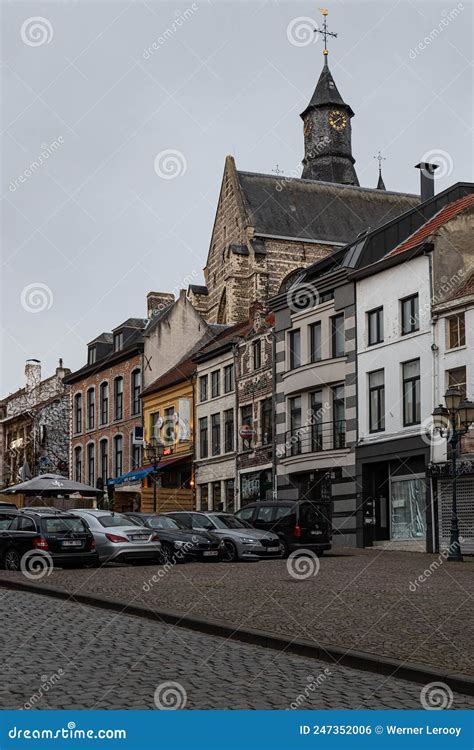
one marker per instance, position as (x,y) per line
(337,119)
(308,126)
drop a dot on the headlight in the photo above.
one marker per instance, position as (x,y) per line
(248,540)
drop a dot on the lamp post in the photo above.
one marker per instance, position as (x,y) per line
(154,453)
(453,421)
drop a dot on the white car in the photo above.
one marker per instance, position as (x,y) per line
(118,539)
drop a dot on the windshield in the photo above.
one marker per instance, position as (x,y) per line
(111,521)
(161,522)
(63,525)
(229,522)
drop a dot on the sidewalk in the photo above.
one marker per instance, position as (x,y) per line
(365,600)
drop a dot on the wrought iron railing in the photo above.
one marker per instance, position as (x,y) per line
(315,438)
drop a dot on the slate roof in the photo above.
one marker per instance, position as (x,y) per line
(103,338)
(132,323)
(226,338)
(198,289)
(443,216)
(326,92)
(314,210)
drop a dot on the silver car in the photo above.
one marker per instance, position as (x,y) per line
(118,539)
(242,541)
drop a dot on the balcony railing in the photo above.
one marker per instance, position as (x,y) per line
(315,438)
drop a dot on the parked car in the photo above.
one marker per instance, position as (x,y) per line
(241,541)
(300,524)
(177,542)
(5,505)
(63,536)
(120,539)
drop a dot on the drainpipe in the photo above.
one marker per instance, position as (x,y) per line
(435,386)
(274,419)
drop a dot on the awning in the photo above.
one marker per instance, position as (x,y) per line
(138,474)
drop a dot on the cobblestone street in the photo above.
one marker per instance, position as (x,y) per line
(90,659)
(360,599)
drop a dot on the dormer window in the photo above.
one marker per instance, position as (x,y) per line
(118,341)
(92,356)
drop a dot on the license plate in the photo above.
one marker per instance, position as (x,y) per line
(315,533)
(139,537)
(273,549)
(73,543)
(210,553)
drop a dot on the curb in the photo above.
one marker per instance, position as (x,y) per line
(410,671)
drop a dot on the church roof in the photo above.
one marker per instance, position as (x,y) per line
(326,92)
(314,210)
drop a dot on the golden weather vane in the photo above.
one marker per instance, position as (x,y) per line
(324,31)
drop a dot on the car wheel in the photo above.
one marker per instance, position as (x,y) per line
(230,552)
(12,559)
(286,548)
(167,553)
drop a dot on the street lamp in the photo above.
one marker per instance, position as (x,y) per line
(154,453)
(453,421)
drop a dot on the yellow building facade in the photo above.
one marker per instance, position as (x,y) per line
(168,409)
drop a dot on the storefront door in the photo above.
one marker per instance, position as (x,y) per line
(408,507)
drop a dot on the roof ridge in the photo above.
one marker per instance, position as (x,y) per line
(322,183)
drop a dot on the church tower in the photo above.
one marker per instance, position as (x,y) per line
(327,131)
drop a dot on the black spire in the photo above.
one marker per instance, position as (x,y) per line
(326,92)
(380,183)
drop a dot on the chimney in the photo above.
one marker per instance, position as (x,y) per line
(32,373)
(60,371)
(427,178)
(158,301)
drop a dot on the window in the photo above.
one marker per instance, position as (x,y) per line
(216,496)
(339,417)
(118,341)
(411,392)
(316,421)
(457,379)
(376,401)
(203,438)
(257,354)
(456,326)
(315,341)
(104,460)
(91,464)
(78,413)
(229,489)
(169,426)
(215,384)
(92,356)
(203,497)
(118,455)
(228,430)
(246,418)
(136,386)
(216,434)
(90,408)
(104,402)
(294,343)
(410,314)
(295,425)
(375,326)
(338,336)
(155,425)
(326,296)
(228,378)
(78,464)
(266,416)
(203,388)
(118,398)
(136,455)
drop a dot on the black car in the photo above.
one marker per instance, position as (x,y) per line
(300,524)
(62,536)
(179,543)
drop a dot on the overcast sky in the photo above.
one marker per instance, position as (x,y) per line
(101,89)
